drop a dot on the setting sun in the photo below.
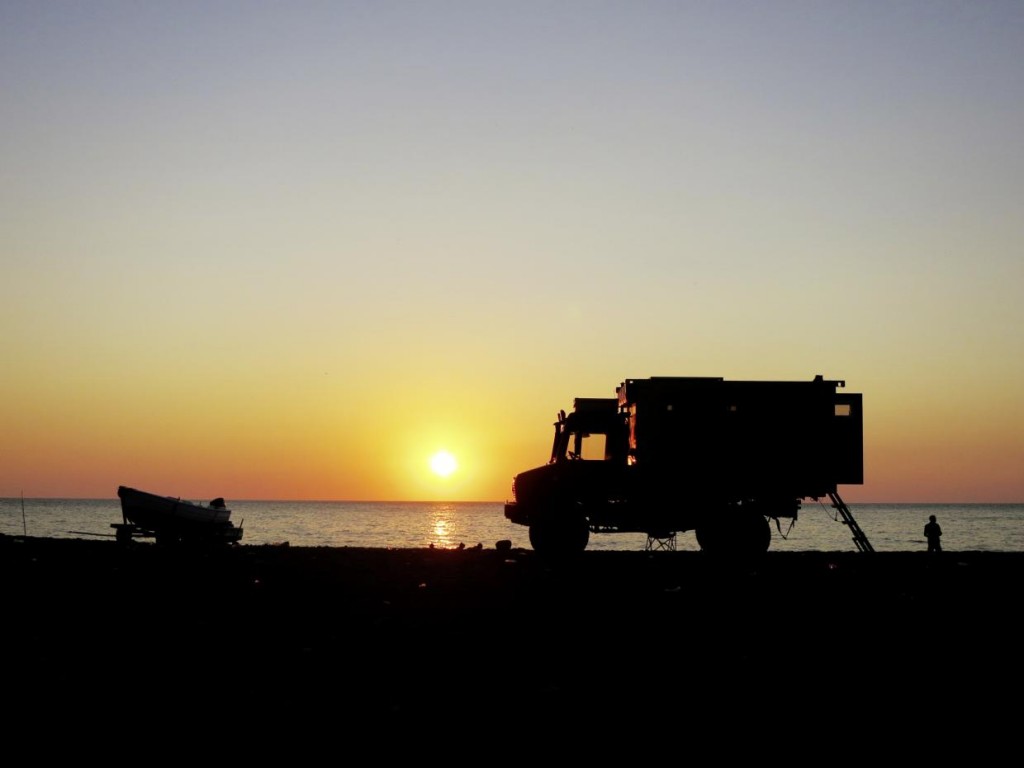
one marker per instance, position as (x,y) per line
(443,463)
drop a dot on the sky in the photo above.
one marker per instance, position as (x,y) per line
(269,250)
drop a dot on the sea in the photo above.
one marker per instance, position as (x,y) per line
(399,525)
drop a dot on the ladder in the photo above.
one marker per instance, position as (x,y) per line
(858,535)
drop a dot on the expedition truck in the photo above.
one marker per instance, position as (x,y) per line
(675,454)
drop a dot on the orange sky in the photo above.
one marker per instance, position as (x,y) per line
(294,257)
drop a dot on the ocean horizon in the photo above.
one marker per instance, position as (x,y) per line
(399,524)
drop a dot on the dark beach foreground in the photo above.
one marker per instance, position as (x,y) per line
(122,639)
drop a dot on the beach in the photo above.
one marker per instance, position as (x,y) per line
(278,634)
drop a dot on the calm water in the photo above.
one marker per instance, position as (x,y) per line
(889,527)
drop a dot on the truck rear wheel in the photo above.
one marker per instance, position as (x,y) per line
(743,534)
(559,534)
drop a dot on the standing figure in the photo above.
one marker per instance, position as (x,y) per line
(933,533)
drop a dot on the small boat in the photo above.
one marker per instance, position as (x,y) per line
(170,519)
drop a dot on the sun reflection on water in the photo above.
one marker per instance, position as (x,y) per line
(443,525)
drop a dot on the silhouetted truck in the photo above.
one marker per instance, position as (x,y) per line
(674,454)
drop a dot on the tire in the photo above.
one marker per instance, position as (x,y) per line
(744,534)
(559,534)
(711,538)
(167,539)
(754,535)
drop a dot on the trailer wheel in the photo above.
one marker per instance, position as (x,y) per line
(559,534)
(123,535)
(167,539)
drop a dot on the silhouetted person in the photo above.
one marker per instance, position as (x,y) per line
(933,533)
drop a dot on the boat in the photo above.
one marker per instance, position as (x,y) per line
(171,519)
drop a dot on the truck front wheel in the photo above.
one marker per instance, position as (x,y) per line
(559,534)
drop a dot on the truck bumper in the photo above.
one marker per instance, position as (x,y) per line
(516,514)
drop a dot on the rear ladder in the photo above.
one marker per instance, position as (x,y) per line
(858,535)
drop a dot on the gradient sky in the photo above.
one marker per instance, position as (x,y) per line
(269,250)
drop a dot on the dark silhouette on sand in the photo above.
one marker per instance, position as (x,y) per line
(270,630)
(172,520)
(673,454)
(933,533)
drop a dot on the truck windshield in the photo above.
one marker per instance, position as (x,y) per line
(586,446)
